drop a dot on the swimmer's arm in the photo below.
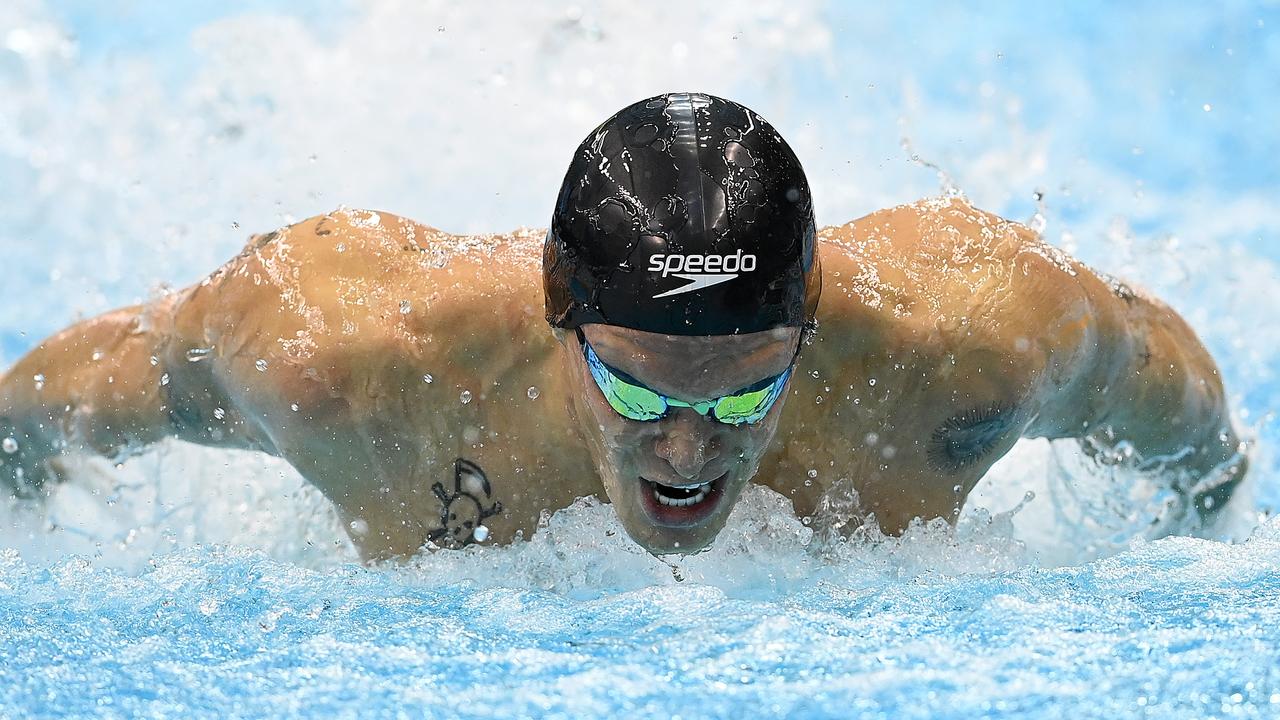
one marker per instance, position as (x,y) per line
(1154,387)
(93,387)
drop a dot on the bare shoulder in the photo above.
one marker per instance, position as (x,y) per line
(360,297)
(941,262)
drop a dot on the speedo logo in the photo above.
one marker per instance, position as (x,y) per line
(702,271)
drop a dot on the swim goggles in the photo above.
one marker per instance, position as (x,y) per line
(632,400)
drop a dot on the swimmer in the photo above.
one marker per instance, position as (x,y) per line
(703,334)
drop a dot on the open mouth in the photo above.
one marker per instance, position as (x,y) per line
(681,506)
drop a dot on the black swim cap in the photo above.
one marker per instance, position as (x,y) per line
(683,214)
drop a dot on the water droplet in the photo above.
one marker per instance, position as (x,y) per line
(428,379)
(871,438)
(219,413)
(198,353)
(471,434)
(817,400)
(164,379)
(38,379)
(1207,107)
(294,407)
(813,473)
(10,445)
(235,225)
(154,361)
(888,452)
(405,307)
(532,393)
(480,534)
(97,355)
(359,527)
(955,489)
(465,397)
(439,28)
(813,374)
(871,382)
(261,365)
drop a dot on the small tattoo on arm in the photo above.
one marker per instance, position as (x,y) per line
(465,509)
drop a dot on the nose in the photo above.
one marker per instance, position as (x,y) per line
(688,444)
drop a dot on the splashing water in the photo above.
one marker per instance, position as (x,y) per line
(190,578)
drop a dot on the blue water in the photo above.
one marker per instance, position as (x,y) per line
(139,145)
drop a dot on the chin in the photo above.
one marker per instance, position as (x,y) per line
(664,541)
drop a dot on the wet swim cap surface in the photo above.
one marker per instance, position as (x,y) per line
(683,214)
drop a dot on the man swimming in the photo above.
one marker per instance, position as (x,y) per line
(408,373)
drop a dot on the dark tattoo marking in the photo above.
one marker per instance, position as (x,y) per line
(464,509)
(1145,354)
(964,438)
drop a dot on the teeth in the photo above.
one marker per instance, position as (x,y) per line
(701,495)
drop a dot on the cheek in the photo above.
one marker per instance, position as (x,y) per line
(617,436)
(748,443)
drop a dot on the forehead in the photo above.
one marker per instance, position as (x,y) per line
(694,367)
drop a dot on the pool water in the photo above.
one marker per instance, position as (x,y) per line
(140,145)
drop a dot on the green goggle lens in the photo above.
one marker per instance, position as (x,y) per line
(637,402)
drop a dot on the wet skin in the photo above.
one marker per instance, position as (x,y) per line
(945,334)
(683,448)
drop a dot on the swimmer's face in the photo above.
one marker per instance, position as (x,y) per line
(673,481)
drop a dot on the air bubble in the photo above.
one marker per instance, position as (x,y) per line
(9,445)
(532,392)
(465,397)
